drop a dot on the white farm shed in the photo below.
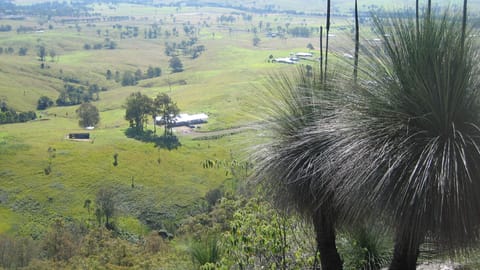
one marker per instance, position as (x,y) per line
(185,119)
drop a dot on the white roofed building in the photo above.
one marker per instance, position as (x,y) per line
(185,119)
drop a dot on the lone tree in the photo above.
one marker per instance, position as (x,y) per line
(88,114)
(176,64)
(44,102)
(164,106)
(105,206)
(42,53)
(138,107)
(256,40)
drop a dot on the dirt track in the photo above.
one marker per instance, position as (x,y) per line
(206,135)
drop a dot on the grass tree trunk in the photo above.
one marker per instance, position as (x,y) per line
(325,235)
(404,258)
(405,252)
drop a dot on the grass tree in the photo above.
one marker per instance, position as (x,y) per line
(408,146)
(285,164)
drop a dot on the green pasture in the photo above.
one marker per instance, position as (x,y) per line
(223,82)
(166,178)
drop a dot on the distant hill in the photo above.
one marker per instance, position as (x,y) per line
(307,6)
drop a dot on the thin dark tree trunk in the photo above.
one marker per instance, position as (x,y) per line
(464,21)
(325,235)
(165,122)
(429,8)
(321,53)
(154,126)
(357,43)
(417,19)
(326,42)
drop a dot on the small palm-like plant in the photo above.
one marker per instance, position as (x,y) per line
(205,251)
(365,248)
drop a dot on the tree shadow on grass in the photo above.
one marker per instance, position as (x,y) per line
(169,142)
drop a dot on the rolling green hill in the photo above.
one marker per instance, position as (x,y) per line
(168,185)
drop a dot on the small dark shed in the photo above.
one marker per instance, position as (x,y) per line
(80,136)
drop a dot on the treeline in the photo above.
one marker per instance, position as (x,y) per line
(9,115)
(107,44)
(301,31)
(5,28)
(49,9)
(22,51)
(25,29)
(132,78)
(74,95)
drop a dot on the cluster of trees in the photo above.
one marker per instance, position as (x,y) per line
(8,50)
(185,47)
(132,78)
(128,31)
(5,28)
(9,115)
(74,95)
(107,44)
(246,17)
(25,29)
(300,31)
(96,46)
(226,19)
(22,51)
(51,9)
(153,32)
(42,54)
(189,29)
(44,102)
(140,107)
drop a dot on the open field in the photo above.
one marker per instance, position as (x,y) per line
(221,82)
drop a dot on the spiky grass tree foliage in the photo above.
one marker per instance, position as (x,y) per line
(285,164)
(408,147)
(365,248)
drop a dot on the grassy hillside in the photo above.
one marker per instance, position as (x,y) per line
(167,185)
